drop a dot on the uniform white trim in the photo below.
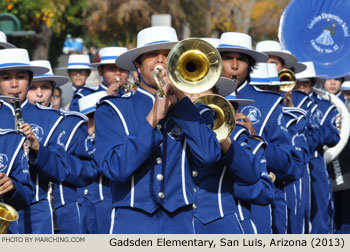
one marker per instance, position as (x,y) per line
(112,221)
(15,155)
(183,157)
(302,101)
(239,206)
(326,114)
(146,93)
(9,106)
(238,133)
(37,187)
(219,191)
(204,110)
(269,114)
(132,191)
(100,188)
(52,130)
(257,147)
(120,116)
(51,212)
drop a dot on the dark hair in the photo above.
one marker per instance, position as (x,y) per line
(59,90)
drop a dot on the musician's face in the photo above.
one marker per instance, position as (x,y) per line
(148,61)
(235,64)
(110,72)
(40,92)
(78,76)
(332,85)
(276,60)
(304,86)
(14,82)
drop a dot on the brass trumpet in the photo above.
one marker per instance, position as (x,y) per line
(225,115)
(288,76)
(193,66)
(7,215)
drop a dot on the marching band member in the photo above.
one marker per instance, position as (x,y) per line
(95,199)
(324,119)
(56,98)
(333,86)
(113,77)
(67,161)
(216,210)
(16,188)
(238,60)
(15,76)
(147,145)
(78,71)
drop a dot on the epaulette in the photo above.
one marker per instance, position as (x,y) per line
(295,110)
(91,88)
(74,113)
(39,106)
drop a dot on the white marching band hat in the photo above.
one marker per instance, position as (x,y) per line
(87,104)
(149,39)
(240,43)
(18,59)
(58,80)
(108,55)
(77,61)
(266,74)
(308,73)
(345,86)
(298,67)
(3,41)
(213,41)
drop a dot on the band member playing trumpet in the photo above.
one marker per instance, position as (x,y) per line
(146,144)
(113,77)
(239,60)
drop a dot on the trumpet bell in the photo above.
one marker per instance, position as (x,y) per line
(194,65)
(287,76)
(225,115)
(7,215)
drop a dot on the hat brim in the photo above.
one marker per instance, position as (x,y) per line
(126,60)
(241,102)
(289,59)
(225,86)
(58,80)
(306,78)
(299,67)
(6,45)
(75,67)
(36,70)
(257,56)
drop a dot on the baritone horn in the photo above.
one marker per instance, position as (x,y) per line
(286,75)
(7,215)
(193,66)
(225,115)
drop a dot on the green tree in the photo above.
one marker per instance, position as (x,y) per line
(51,20)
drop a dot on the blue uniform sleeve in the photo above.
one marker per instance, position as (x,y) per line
(329,129)
(74,166)
(24,191)
(260,193)
(120,154)
(282,158)
(242,164)
(193,120)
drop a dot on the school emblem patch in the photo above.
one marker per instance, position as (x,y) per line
(252,113)
(38,131)
(3,162)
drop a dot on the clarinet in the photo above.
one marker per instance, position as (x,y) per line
(18,122)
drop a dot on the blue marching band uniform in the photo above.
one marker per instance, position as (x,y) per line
(128,176)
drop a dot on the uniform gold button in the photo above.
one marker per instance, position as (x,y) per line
(86,191)
(194,173)
(159,126)
(159,177)
(161,195)
(194,189)
(158,160)
(194,205)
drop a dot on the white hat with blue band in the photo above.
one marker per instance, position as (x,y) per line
(108,55)
(58,80)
